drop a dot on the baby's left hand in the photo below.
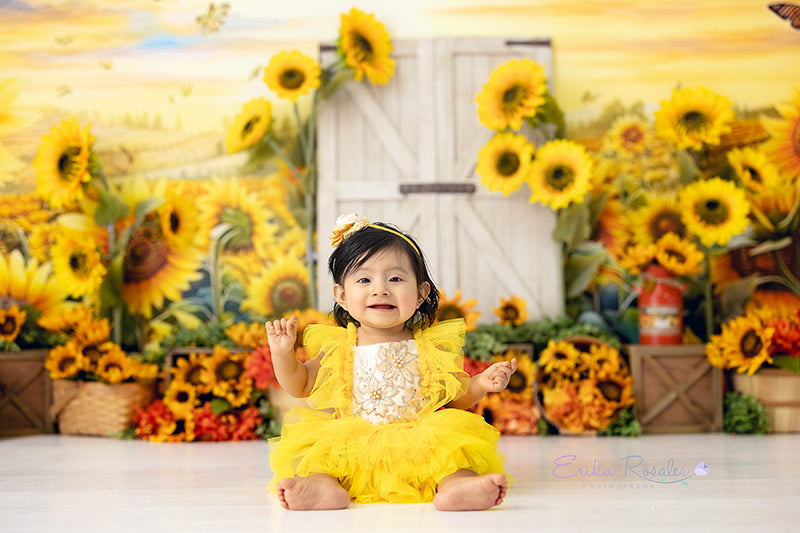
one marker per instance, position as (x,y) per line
(495,378)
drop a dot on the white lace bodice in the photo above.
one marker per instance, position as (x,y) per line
(386,381)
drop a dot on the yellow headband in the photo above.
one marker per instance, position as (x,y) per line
(390,230)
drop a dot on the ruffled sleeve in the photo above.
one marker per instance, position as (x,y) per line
(442,362)
(333,387)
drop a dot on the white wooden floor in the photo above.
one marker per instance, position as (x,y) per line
(62,484)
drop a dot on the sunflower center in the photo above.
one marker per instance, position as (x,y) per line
(694,121)
(66,363)
(79,262)
(242,238)
(517,382)
(145,255)
(292,78)
(712,212)
(632,136)
(67,162)
(113,367)
(289,294)
(675,254)
(561,356)
(174,222)
(667,222)
(751,344)
(229,370)
(92,353)
(363,45)
(182,397)
(449,312)
(508,164)
(754,174)
(193,375)
(510,312)
(610,390)
(8,325)
(250,126)
(559,177)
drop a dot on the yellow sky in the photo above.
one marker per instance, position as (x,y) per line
(145,56)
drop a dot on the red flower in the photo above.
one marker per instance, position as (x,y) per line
(786,339)
(208,426)
(474,367)
(249,419)
(258,367)
(148,420)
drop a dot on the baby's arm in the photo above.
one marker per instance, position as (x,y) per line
(297,378)
(493,379)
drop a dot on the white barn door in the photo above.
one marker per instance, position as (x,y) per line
(405,153)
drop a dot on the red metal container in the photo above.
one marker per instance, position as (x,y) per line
(660,307)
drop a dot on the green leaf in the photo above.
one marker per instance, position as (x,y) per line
(110,208)
(219,406)
(788,362)
(769,246)
(147,205)
(735,295)
(580,269)
(688,168)
(572,225)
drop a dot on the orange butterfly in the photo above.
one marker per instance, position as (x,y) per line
(788,11)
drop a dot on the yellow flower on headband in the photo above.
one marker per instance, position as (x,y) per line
(346,225)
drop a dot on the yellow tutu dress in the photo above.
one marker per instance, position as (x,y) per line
(376,421)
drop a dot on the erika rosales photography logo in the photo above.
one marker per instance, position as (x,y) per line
(631,471)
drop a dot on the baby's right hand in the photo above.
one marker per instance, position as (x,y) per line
(281,335)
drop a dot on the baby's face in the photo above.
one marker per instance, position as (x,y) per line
(383,292)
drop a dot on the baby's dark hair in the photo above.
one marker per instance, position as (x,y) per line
(366,242)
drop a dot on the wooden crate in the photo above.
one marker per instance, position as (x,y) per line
(676,388)
(25,394)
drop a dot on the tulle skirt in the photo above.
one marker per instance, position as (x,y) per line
(400,462)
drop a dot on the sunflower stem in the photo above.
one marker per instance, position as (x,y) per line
(708,295)
(285,158)
(791,281)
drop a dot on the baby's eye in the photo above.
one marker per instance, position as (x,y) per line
(362,280)
(395,278)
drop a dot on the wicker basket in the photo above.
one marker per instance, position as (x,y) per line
(778,390)
(93,408)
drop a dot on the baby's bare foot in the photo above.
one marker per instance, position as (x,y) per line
(315,492)
(470,493)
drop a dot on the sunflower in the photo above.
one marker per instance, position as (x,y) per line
(364,46)
(66,318)
(628,134)
(604,359)
(520,384)
(77,264)
(191,370)
(504,163)
(742,345)
(512,311)
(282,288)
(291,74)
(774,211)
(64,361)
(29,284)
(154,271)
(637,257)
(714,210)
(11,321)
(180,223)
(679,256)
(754,170)
(561,174)
(228,202)
(611,228)
(453,308)
(250,125)
(560,357)
(114,366)
(659,216)
(228,377)
(515,91)
(694,117)
(62,163)
(783,147)
(181,398)
(248,335)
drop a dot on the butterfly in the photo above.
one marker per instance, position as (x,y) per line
(701,469)
(788,11)
(213,20)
